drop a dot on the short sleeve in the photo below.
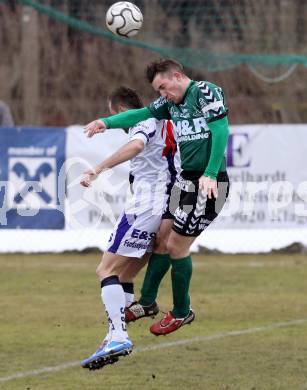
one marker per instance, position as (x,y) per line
(211,101)
(159,109)
(144,131)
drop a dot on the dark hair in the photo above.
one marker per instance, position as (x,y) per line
(162,66)
(126,96)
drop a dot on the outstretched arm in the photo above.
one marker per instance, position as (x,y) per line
(125,153)
(123,120)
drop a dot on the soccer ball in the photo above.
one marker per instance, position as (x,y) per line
(124,19)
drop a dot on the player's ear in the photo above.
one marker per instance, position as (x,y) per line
(122,107)
(177,75)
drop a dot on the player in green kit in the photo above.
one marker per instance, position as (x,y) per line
(199,114)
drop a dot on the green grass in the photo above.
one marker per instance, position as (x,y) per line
(51,313)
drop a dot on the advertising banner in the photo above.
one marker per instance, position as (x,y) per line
(267,166)
(30,162)
(41,169)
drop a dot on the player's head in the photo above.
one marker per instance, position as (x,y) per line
(122,99)
(168,78)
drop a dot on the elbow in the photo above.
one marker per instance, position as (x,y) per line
(138,146)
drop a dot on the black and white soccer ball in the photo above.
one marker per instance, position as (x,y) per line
(124,19)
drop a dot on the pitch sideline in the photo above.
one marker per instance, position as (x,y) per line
(170,344)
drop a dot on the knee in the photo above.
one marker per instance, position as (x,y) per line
(103,272)
(100,272)
(173,249)
(160,245)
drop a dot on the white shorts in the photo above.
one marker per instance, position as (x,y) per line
(136,227)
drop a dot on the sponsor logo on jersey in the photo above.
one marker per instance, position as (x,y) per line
(194,137)
(192,130)
(159,102)
(198,125)
(174,113)
(142,234)
(185,185)
(135,245)
(180,113)
(185,113)
(180,215)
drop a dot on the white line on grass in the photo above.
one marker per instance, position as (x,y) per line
(170,344)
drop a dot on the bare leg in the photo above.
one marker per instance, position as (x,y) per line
(132,268)
(111,264)
(127,275)
(162,236)
(178,246)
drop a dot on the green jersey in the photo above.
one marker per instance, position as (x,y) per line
(202,103)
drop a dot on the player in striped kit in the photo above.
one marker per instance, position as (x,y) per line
(151,151)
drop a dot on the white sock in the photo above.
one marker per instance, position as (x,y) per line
(113,297)
(129,292)
(129,299)
(109,334)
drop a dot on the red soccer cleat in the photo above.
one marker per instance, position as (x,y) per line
(169,323)
(136,311)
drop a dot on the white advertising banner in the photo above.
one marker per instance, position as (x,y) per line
(267,167)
